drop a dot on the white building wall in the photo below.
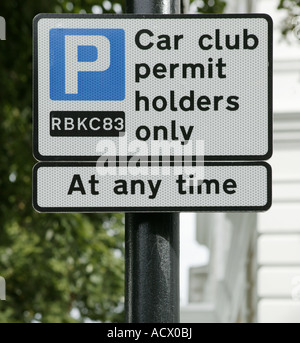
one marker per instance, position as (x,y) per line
(278,246)
(277,269)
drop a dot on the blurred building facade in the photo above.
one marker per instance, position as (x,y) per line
(253,270)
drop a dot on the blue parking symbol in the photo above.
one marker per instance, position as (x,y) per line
(87,64)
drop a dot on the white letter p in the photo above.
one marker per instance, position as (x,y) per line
(72,66)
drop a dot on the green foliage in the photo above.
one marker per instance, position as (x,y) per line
(212,6)
(292,19)
(52,263)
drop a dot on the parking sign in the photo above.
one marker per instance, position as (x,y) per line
(150,86)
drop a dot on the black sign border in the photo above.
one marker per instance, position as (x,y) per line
(152,209)
(40,157)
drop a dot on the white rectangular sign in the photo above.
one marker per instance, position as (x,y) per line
(141,85)
(74,187)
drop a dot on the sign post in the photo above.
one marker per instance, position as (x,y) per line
(131,113)
(152,240)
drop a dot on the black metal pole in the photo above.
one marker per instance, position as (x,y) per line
(152,268)
(153,6)
(152,239)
